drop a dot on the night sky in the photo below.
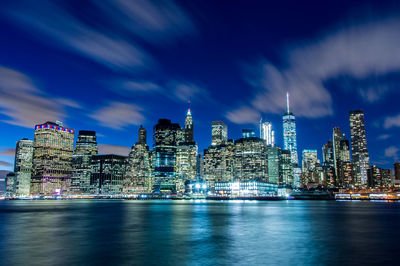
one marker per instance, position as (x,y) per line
(111,66)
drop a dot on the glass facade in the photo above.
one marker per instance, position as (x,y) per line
(23,167)
(219,133)
(289,133)
(359,148)
(85,148)
(266,133)
(52,159)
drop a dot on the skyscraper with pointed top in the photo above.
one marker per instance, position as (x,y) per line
(289,132)
(189,127)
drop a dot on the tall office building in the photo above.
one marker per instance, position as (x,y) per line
(23,167)
(289,133)
(341,155)
(359,148)
(274,155)
(107,174)
(309,166)
(85,148)
(327,155)
(137,177)
(248,133)
(379,177)
(52,159)
(397,174)
(189,127)
(286,174)
(219,133)
(250,159)
(266,133)
(166,137)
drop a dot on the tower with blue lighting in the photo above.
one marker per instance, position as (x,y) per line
(289,132)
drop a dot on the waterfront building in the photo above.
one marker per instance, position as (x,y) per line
(186,164)
(52,159)
(266,133)
(23,167)
(250,159)
(397,174)
(107,174)
(327,155)
(218,163)
(309,166)
(274,156)
(199,166)
(286,169)
(166,138)
(245,188)
(11,184)
(85,148)
(379,177)
(341,153)
(137,177)
(359,148)
(289,133)
(296,176)
(219,133)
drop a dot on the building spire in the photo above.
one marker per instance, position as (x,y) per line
(287,102)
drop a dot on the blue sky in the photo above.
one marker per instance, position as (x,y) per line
(111,66)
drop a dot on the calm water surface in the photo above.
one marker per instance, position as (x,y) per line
(107,232)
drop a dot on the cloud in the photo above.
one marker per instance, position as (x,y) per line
(186,91)
(392,121)
(383,136)
(114,149)
(138,86)
(150,20)
(53,21)
(356,52)
(24,104)
(243,115)
(118,115)
(8,152)
(392,152)
(3,163)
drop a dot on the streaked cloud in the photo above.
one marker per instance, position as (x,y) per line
(52,20)
(151,20)
(8,152)
(3,163)
(356,52)
(186,91)
(384,136)
(114,149)
(24,104)
(392,121)
(137,86)
(392,152)
(118,115)
(243,115)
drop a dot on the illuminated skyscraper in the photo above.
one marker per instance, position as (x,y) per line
(52,159)
(219,133)
(341,155)
(309,166)
(23,167)
(248,133)
(250,159)
(289,133)
(189,127)
(266,133)
(166,137)
(85,148)
(286,169)
(274,156)
(359,148)
(327,154)
(137,178)
(107,174)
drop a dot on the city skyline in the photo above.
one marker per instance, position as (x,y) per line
(186,61)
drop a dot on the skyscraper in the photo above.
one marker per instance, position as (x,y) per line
(219,133)
(309,166)
(341,155)
(266,133)
(274,156)
(137,178)
(107,174)
(286,169)
(189,127)
(327,154)
(85,148)
(359,148)
(166,137)
(23,167)
(289,133)
(52,159)
(397,174)
(248,133)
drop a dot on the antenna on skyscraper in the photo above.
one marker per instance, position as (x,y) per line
(287,101)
